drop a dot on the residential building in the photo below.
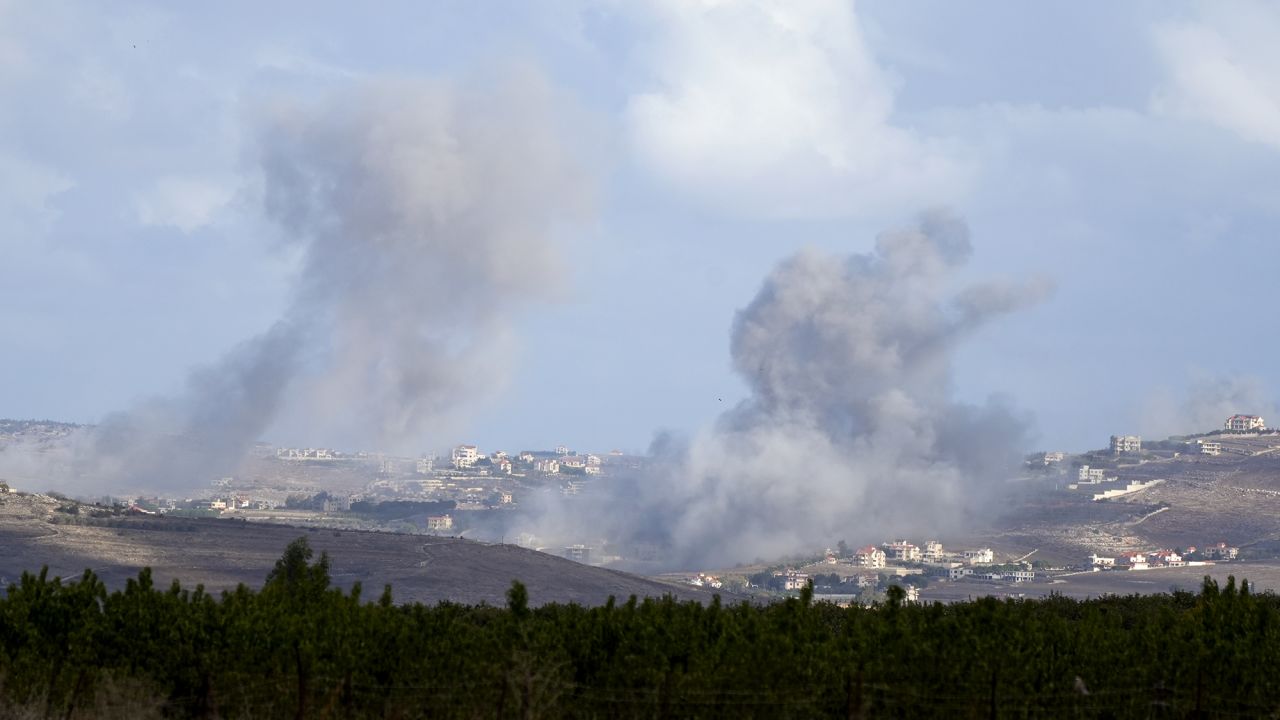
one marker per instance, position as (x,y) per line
(869,557)
(1208,447)
(933,552)
(795,580)
(1090,476)
(439,522)
(1166,557)
(1222,551)
(1021,575)
(1244,423)
(981,556)
(902,551)
(829,557)
(867,580)
(465,456)
(1125,444)
(957,573)
(1133,561)
(578,553)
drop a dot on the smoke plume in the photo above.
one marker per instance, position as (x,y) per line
(850,430)
(1206,402)
(425,216)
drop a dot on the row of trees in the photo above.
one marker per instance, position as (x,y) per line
(300,648)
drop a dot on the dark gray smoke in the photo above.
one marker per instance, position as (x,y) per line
(426,215)
(850,430)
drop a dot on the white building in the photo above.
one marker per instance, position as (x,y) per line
(1101,563)
(1166,557)
(1021,575)
(957,573)
(1090,476)
(933,552)
(1134,561)
(869,557)
(1208,447)
(981,556)
(1123,444)
(465,456)
(902,551)
(439,522)
(578,553)
(795,580)
(1244,423)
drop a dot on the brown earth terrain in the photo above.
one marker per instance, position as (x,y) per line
(221,554)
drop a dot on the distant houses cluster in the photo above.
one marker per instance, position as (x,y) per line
(1140,560)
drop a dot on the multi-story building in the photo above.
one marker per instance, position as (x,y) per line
(1090,476)
(902,551)
(578,553)
(933,552)
(1166,557)
(1125,444)
(1244,423)
(869,557)
(465,456)
(1222,551)
(1134,561)
(981,556)
(439,522)
(1209,447)
(795,580)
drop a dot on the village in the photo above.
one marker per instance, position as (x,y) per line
(860,575)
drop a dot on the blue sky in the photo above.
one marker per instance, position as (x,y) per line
(1127,153)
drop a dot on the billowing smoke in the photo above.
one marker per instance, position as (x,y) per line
(1205,403)
(850,430)
(425,216)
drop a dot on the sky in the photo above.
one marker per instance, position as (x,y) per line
(1125,157)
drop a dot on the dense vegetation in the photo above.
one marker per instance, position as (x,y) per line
(299,648)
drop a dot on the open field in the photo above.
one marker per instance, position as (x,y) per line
(223,553)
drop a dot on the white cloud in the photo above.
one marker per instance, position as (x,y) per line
(779,108)
(1224,68)
(186,203)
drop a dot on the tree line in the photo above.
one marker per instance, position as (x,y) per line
(300,648)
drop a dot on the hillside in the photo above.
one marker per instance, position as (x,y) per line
(1233,497)
(35,530)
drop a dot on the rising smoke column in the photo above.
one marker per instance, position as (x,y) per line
(425,215)
(850,430)
(429,217)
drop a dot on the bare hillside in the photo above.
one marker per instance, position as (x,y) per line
(34,531)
